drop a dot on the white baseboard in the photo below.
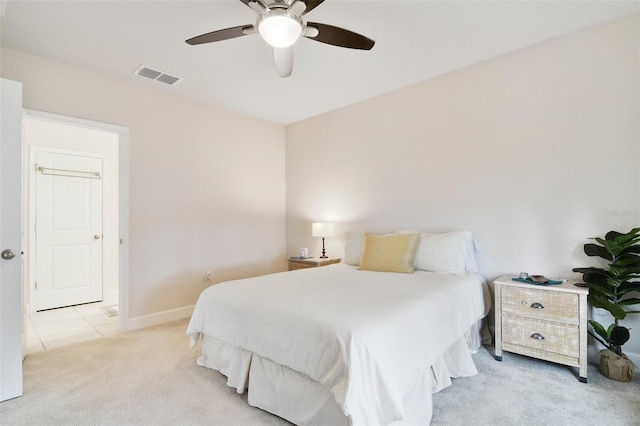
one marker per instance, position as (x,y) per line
(158,318)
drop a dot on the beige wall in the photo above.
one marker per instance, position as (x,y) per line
(206,186)
(532,151)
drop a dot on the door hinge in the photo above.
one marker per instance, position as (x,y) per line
(36,285)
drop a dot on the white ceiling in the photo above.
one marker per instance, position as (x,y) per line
(415,40)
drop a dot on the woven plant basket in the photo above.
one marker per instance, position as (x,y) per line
(616,367)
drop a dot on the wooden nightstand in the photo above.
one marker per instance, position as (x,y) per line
(312,262)
(544,322)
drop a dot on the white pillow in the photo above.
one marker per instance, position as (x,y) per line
(354,248)
(448,252)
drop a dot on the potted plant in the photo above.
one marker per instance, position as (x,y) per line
(611,289)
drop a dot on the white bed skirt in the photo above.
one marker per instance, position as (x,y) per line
(303,401)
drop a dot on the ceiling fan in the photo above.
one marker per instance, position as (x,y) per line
(280,24)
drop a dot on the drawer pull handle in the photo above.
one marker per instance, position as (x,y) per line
(537,336)
(537,305)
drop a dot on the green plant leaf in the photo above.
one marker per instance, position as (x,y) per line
(596,250)
(617,311)
(624,247)
(622,243)
(601,280)
(621,238)
(599,329)
(606,244)
(619,335)
(628,260)
(626,271)
(629,302)
(614,309)
(616,281)
(592,270)
(626,240)
(612,235)
(632,283)
(594,276)
(617,243)
(625,289)
(604,290)
(597,300)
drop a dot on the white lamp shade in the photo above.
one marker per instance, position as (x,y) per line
(322,230)
(279,28)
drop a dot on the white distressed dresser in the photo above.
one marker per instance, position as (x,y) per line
(544,322)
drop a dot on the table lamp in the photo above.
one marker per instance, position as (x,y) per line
(322,230)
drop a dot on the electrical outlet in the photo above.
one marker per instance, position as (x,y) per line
(208,275)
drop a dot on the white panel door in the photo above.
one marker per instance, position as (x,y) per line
(68,229)
(11,329)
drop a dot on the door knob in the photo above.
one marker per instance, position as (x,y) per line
(8,254)
(96,237)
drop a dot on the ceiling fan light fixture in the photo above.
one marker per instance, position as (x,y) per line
(279,27)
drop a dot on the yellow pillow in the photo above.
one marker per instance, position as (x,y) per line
(389,253)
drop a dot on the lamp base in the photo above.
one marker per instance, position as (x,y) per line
(324,252)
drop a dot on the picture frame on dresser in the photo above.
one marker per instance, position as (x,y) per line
(547,322)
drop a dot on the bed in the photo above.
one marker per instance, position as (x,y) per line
(342,345)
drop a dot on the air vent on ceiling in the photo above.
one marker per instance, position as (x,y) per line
(160,76)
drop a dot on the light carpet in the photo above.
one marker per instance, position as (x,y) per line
(150,377)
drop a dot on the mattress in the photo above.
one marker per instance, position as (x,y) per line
(367,340)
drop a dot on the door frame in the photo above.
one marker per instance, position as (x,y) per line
(123,190)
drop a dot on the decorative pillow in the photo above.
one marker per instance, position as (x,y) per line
(449,252)
(353,248)
(390,253)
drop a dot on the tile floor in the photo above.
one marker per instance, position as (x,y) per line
(63,326)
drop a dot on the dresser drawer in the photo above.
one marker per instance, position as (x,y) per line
(541,304)
(563,339)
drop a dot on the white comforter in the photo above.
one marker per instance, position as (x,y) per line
(364,335)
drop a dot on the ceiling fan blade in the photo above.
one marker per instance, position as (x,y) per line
(311,4)
(257,5)
(339,37)
(220,35)
(283,57)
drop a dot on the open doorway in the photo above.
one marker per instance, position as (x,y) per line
(74,204)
